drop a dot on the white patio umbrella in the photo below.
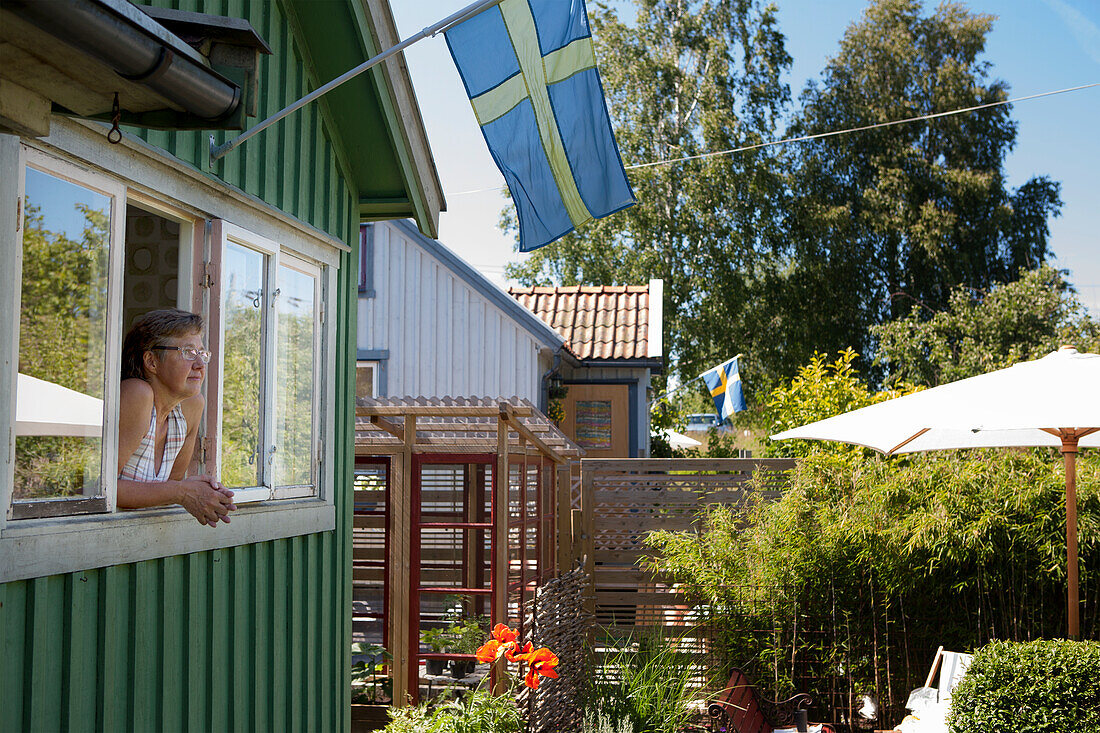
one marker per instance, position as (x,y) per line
(1053,401)
(46,408)
(678,440)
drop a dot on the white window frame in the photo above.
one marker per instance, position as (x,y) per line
(312,270)
(374,365)
(13,263)
(224,234)
(39,547)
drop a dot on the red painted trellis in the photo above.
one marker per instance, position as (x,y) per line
(505,528)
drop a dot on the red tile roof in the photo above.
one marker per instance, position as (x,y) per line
(598,322)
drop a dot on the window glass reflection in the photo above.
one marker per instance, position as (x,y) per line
(241,449)
(62,339)
(294,378)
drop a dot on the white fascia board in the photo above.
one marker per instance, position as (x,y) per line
(655,337)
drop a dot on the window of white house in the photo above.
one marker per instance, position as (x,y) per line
(268,368)
(366,378)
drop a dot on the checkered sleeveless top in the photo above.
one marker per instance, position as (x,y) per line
(140,467)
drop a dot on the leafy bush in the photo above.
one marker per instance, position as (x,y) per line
(982,331)
(821,390)
(1034,687)
(853,577)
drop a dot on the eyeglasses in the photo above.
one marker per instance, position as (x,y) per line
(189,353)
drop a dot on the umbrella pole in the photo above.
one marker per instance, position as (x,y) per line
(1069,455)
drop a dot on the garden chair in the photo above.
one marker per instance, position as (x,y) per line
(741,708)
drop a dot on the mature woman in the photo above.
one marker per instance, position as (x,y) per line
(163,365)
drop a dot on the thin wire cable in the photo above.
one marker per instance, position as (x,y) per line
(834,133)
(820,135)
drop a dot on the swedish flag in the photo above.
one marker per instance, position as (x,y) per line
(530,71)
(724,383)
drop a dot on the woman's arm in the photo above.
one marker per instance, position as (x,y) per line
(135,409)
(192,412)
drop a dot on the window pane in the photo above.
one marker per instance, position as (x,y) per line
(294,360)
(241,450)
(62,338)
(364,380)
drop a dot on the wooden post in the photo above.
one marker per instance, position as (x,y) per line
(399,573)
(1069,455)
(469,536)
(588,516)
(499,582)
(522,493)
(564,534)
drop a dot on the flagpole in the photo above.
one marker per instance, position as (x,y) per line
(676,389)
(219,151)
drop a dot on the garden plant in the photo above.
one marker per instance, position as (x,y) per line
(1048,686)
(480,710)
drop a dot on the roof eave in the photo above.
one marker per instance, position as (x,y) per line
(425,200)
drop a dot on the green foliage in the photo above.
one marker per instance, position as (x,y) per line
(435,638)
(784,252)
(983,331)
(1036,687)
(941,548)
(369,682)
(462,636)
(468,634)
(645,685)
(886,218)
(866,564)
(476,712)
(820,390)
(684,78)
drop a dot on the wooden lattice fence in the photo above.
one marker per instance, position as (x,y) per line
(626,499)
(557,619)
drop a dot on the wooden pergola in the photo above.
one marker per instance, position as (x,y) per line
(449,526)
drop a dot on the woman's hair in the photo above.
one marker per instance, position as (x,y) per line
(151,330)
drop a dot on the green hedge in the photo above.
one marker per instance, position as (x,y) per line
(1039,686)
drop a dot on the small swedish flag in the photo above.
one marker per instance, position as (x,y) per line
(724,383)
(530,72)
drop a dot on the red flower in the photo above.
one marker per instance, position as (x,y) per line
(503,634)
(489,651)
(503,642)
(542,663)
(512,656)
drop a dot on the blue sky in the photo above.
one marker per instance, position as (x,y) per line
(1036,46)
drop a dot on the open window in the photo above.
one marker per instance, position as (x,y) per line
(66,339)
(267,348)
(88,253)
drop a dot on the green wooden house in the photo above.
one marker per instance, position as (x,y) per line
(145,620)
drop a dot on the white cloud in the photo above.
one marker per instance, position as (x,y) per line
(1084,30)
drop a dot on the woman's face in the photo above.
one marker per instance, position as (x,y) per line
(181,376)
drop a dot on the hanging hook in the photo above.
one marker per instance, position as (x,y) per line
(114,135)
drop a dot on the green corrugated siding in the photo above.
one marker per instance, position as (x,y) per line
(246,638)
(291,165)
(255,637)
